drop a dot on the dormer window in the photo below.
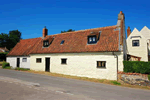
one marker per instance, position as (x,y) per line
(92,39)
(62,42)
(45,43)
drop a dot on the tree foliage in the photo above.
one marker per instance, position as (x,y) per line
(10,40)
(69,30)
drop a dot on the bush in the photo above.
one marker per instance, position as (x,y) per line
(137,66)
(7,67)
(4,64)
(149,77)
(23,69)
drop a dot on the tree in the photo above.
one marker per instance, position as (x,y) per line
(10,40)
(69,30)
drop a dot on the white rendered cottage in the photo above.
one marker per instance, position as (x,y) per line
(95,53)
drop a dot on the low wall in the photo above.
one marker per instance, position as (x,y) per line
(134,78)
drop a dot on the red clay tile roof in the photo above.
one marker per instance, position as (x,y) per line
(77,42)
(24,47)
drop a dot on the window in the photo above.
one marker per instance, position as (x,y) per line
(45,43)
(62,42)
(101,64)
(24,59)
(38,60)
(92,39)
(63,61)
(135,43)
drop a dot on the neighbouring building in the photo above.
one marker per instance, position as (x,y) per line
(3,49)
(94,53)
(138,44)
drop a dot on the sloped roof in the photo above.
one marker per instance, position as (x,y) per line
(77,42)
(24,47)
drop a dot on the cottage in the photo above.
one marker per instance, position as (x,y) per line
(94,53)
(19,55)
(138,44)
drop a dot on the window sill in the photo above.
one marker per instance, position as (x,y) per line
(102,67)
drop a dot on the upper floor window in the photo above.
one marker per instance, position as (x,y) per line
(135,43)
(45,43)
(62,42)
(92,39)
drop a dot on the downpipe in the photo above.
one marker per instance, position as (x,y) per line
(116,56)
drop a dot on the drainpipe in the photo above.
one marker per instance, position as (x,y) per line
(116,56)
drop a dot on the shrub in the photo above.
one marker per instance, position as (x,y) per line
(149,77)
(7,67)
(115,83)
(137,66)
(5,64)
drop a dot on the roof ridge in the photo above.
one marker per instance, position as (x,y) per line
(83,30)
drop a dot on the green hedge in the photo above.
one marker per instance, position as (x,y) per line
(3,56)
(149,77)
(5,64)
(137,67)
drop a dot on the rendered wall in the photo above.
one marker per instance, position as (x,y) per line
(13,62)
(80,64)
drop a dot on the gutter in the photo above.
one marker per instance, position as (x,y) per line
(116,56)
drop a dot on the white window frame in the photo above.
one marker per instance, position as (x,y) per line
(24,59)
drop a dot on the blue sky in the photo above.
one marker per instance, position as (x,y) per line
(30,16)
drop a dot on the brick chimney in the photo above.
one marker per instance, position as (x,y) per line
(121,25)
(45,31)
(128,31)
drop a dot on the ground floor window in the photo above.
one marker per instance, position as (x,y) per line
(24,59)
(64,61)
(38,60)
(101,64)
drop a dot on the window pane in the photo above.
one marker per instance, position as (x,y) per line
(101,64)
(93,38)
(135,42)
(38,60)
(90,39)
(24,59)
(63,61)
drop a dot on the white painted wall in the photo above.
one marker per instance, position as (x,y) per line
(13,62)
(140,51)
(80,64)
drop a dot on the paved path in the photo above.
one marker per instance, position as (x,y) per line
(79,88)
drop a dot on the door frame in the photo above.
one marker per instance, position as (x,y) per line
(47,64)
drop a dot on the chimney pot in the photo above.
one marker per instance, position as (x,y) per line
(45,31)
(120,12)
